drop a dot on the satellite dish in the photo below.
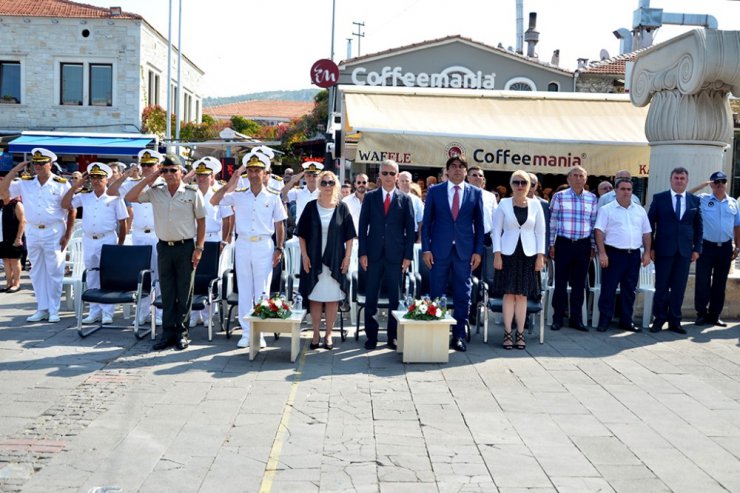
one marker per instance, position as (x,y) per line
(604,55)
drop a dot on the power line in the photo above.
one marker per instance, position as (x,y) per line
(359,35)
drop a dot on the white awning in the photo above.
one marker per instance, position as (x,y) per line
(542,132)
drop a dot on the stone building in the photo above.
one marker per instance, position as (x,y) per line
(68,66)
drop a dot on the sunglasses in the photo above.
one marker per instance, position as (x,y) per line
(387,173)
(168,170)
(519,183)
(476,175)
(360,183)
(720,182)
(147,165)
(329,183)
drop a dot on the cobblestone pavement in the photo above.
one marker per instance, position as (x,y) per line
(583,412)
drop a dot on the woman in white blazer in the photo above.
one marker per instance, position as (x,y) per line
(519,254)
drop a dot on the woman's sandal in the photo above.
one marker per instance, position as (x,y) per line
(520,342)
(507,343)
(328,346)
(314,345)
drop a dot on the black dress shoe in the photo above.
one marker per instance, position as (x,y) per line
(556,326)
(677,329)
(392,345)
(602,327)
(370,345)
(578,326)
(656,327)
(314,345)
(458,345)
(163,344)
(701,320)
(630,327)
(719,322)
(182,343)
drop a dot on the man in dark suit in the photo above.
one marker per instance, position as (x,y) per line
(386,247)
(452,240)
(677,242)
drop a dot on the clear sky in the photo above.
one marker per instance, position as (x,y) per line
(250,46)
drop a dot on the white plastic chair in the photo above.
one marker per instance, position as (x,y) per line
(596,293)
(646,286)
(72,283)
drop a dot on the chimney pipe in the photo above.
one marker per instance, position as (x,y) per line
(349,48)
(532,36)
(519,26)
(582,63)
(555,58)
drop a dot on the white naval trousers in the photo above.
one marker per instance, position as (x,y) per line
(139,237)
(47,264)
(253,263)
(91,249)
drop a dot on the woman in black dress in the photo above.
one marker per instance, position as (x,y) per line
(519,254)
(12,247)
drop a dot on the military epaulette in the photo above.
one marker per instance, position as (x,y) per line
(278,178)
(272,190)
(59,179)
(215,189)
(192,187)
(26,177)
(242,189)
(84,190)
(222,182)
(136,179)
(158,185)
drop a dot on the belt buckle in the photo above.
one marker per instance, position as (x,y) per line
(95,237)
(41,226)
(147,230)
(170,243)
(255,238)
(720,244)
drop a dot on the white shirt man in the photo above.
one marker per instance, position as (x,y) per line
(354,201)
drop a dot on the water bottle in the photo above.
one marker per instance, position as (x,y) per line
(298,301)
(443,302)
(409,300)
(402,305)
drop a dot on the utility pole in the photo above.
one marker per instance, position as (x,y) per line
(359,35)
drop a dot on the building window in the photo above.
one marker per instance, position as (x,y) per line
(553,87)
(153,86)
(71,88)
(197,110)
(187,103)
(101,85)
(173,101)
(520,84)
(10,82)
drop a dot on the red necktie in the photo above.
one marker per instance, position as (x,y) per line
(387,203)
(456,203)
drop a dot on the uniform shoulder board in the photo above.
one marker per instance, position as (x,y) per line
(84,190)
(136,179)
(215,189)
(26,177)
(59,179)
(158,185)
(242,189)
(191,187)
(222,182)
(272,190)
(276,177)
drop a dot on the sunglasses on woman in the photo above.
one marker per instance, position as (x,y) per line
(518,183)
(329,183)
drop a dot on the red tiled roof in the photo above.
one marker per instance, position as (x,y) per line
(611,66)
(59,8)
(452,38)
(262,109)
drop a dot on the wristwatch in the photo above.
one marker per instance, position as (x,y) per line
(200,248)
(280,249)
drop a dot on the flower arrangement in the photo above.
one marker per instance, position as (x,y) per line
(275,307)
(425,309)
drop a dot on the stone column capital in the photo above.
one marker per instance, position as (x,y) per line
(696,61)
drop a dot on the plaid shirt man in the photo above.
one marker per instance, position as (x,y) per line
(572,216)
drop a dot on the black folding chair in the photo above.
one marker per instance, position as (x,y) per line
(206,292)
(125,277)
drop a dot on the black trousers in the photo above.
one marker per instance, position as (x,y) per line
(381,273)
(712,269)
(571,267)
(176,278)
(623,271)
(671,275)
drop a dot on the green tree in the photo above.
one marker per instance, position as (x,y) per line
(244,125)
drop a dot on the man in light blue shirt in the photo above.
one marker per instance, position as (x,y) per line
(721,218)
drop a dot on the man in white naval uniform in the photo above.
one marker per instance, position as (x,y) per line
(142,225)
(103,223)
(302,196)
(259,213)
(48,228)
(218,228)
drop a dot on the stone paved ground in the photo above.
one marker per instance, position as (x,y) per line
(583,412)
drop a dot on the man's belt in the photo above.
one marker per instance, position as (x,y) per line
(718,243)
(98,236)
(622,250)
(175,242)
(143,230)
(257,237)
(587,238)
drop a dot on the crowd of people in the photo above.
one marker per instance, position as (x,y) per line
(454,220)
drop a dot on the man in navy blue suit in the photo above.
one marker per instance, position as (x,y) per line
(386,246)
(452,241)
(677,242)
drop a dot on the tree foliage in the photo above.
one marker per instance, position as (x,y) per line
(307,126)
(245,126)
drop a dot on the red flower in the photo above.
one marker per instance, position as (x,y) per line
(412,307)
(432,310)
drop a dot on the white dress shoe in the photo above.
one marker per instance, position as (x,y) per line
(38,316)
(54,318)
(91,319)
(107,320)
(243,342)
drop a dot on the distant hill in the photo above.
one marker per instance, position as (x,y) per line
(299,95)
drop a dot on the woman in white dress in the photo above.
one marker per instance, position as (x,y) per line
(325,232)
